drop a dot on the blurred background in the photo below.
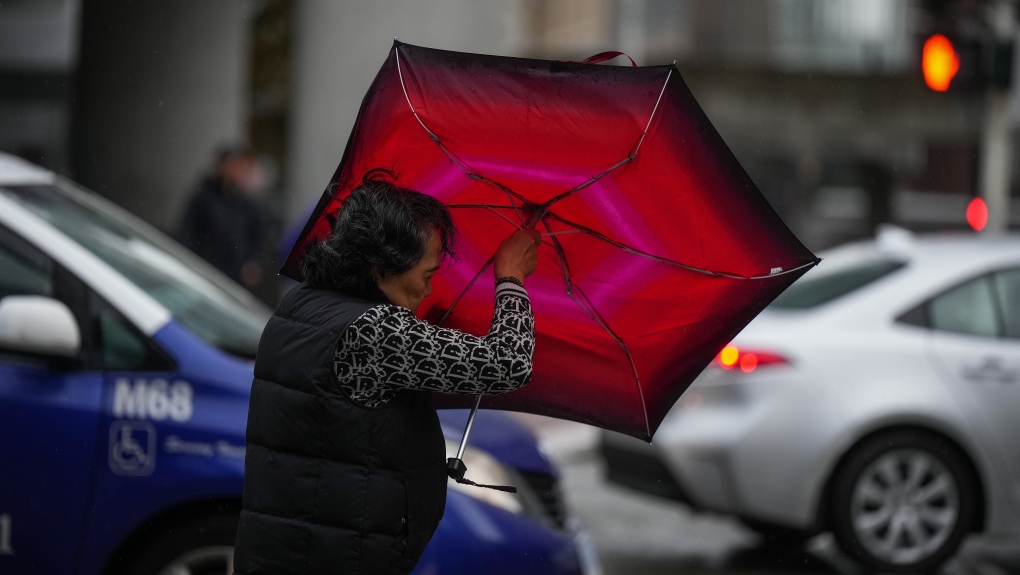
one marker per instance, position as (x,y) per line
(824,102)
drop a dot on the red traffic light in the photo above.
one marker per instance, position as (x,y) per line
(940,62)
(977,214)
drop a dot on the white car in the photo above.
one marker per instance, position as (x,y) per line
(878,397)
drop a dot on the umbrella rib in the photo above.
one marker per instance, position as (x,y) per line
(400,74)
(641,140)
(626,350)
(461,165)
(634,251)
(449,310)
(628,159)
(510,194)
(489,208)
(563,233)
(594,314)
(783,272)
(774,272)
(562,257)
(587,183)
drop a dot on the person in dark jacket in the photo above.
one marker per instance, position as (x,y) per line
(345,469)
(223,223)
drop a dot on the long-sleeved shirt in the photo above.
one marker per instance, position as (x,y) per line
(388,349)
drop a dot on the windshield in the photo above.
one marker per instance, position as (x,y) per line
(823,285)
(207,303)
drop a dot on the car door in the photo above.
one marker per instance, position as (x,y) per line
(976,339)
(49,417)
(140,396)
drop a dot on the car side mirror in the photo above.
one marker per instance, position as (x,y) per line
(38,325)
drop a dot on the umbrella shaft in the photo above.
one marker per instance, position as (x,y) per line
(467,428)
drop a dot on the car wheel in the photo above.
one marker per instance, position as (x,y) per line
(201,547)
(903,501)
(776,536)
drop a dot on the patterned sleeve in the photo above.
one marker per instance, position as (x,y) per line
(388,348)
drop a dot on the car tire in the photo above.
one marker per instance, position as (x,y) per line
(203,546)
(903,501)
(776,536)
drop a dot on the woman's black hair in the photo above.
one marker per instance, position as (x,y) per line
(381,228)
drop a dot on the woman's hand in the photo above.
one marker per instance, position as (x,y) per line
(517,256)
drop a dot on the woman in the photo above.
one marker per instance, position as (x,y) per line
(345,468)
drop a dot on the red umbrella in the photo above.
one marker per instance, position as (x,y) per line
(658,247)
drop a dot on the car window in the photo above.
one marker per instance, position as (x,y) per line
(1007,290)
(122,348)
(26,271)
(815,289)
(206,302)
(968,308)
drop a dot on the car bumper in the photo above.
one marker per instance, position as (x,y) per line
(637,465)
(738,445)
(703,481)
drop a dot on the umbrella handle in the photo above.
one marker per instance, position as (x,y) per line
(455,467)
(467,428)
(605,56)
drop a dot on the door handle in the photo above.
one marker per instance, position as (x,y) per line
(990,369)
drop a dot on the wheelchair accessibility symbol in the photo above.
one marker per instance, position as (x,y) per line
(132,447)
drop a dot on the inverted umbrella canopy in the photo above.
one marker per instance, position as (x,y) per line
(657,250)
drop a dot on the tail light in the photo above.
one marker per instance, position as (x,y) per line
(747,360)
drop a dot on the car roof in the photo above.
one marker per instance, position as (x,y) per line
(967,246)
(145,313)
(953,252)
(933,264)
(898,242)
(15,171)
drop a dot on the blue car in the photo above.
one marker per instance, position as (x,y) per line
(125,370)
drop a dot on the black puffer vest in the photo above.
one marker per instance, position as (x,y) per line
(329,486)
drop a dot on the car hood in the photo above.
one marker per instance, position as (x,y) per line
(501,436)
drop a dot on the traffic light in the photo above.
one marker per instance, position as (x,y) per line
(977,214)
(950,62)
(939,62)
(962,49)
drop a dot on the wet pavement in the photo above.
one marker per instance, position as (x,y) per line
(637,534)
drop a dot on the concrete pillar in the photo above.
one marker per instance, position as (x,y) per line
(996,156)
(339,46)
(160,86)
(997,135)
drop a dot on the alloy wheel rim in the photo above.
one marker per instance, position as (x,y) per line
(218,559)
(904,506)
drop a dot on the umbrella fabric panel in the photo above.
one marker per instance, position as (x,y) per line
(508,117)
(694,202)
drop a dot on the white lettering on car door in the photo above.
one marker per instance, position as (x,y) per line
(154,399)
